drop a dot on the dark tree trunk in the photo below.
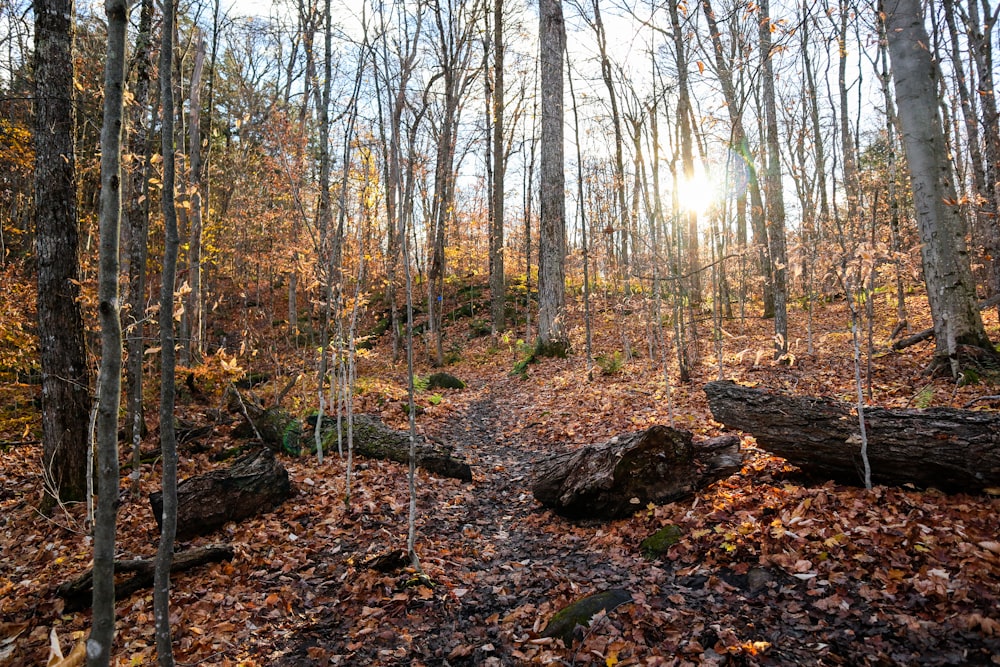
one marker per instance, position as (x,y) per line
(253,484)
(952,450)
(76,592)
(65,373)
(621,476)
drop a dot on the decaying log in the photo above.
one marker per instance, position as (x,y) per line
(373,439)
(952,450)
(622,475)
(254,483)
(77,592)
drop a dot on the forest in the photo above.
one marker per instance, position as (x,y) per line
(434,332)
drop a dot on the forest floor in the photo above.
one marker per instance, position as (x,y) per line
(771,569)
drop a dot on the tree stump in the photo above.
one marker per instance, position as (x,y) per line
(616,478)
(952,450)
(255,483)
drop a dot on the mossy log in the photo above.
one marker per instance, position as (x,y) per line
(564,623)
(254,483)
(444,381)
(77,592)
(374,440)
(948,449)
(616,478)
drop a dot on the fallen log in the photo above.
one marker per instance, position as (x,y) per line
(616,478)
(373,439)
(77,592)
(948,449)
(254,483)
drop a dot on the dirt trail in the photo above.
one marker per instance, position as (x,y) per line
(507,566)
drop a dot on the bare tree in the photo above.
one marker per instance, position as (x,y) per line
(135,232)
(552,336)
(958,327)
(499,167)
(775,198)
(168,438)
(65,373)
(109,381)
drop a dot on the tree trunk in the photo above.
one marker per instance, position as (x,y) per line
(168,361)
(552,336)
(497,301)
(65,373)
(109,382)
(950,287)
(193,344)
(775,199)
(619,477)
(254,483)
(952,450)
(136,232)
(76,592)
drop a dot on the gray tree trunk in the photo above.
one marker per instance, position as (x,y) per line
(497,304)
(552,336)
(168,438)
(65,374)
(193,309)
(136,232)
(950,287)
(109,382)
(775,199)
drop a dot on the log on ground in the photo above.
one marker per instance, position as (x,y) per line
(77,592)
(254,483)
(948,449)
(373,439)
(617,478)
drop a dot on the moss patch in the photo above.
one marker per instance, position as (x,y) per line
(657,544)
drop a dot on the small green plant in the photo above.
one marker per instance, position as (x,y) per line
(435,399)
(419,383)
(967,377)
(610,364)
(924,397)
(521,368)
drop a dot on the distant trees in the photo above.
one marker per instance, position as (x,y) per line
(65,371)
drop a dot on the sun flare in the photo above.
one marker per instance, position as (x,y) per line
(697,193)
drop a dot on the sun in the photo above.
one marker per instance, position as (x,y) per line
(698,193)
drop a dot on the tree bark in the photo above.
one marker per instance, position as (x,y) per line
(950,286)
(65,373)
(76,592)
(952,450)
(136,231)
(617,478)
(168,360)
(775,198)
(552,336)
(109,383)
(193,311)
(497,301)
(254,483)
(374,440)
